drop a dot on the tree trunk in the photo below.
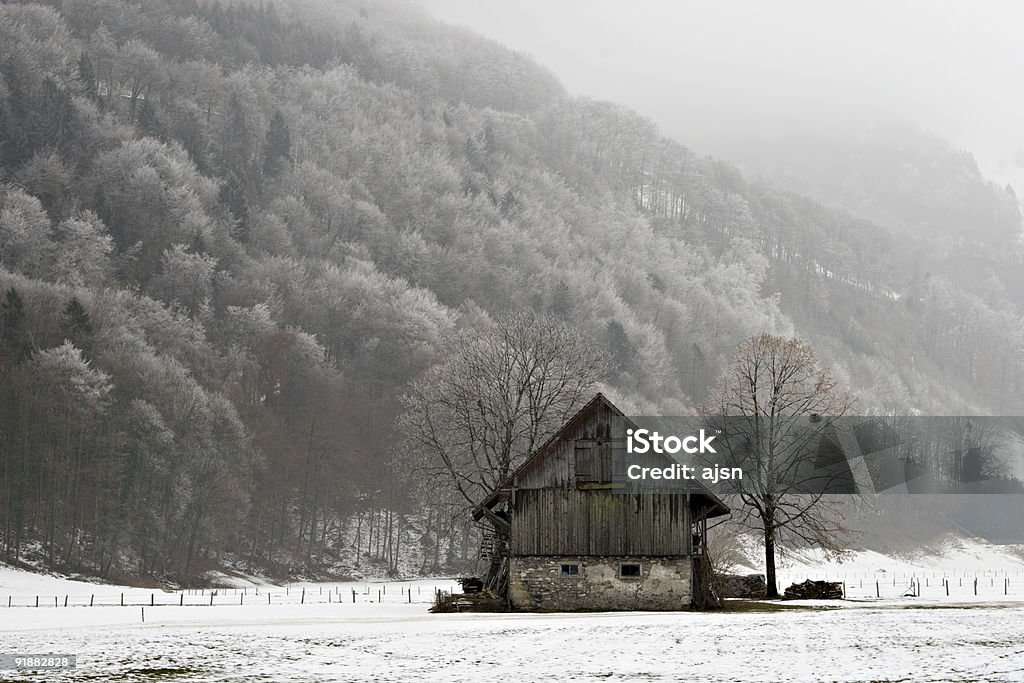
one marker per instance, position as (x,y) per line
(769,563)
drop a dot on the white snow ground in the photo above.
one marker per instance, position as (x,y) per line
(869,574)
(385,637)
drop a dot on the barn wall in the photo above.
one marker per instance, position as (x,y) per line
(594,430)
(536,583)
(599,522)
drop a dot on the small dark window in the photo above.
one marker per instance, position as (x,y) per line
(629,571)
(586,466)
(570,570)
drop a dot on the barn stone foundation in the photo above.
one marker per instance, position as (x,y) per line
(538,583)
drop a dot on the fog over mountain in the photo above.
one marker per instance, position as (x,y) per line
(717,75)
(236,237)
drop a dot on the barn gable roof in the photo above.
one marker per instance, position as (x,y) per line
(699,493)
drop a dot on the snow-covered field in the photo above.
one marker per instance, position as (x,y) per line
(316,633)
(944,573)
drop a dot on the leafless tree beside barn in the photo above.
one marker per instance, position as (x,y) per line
(778,410)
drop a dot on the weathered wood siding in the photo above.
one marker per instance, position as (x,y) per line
(566,502)
(594,437)
(571,521)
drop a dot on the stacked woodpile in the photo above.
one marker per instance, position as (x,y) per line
(749,586)
(468,602)
(471,584)
(815,590)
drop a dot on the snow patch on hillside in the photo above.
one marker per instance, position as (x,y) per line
(950,554)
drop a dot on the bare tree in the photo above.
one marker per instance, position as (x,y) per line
(725,546)
(503,390)
(776,405)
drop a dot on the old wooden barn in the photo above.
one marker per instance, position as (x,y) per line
(565,534)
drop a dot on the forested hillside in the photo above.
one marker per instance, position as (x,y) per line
(952,220)
(232,233)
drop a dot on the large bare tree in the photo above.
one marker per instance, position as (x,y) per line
(775,405)
(502,391)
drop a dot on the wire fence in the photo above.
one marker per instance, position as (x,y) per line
(309,594)
(955,585)
(952,584)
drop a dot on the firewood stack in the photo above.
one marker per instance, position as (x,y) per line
(815,590)
(471,584)
(749,586)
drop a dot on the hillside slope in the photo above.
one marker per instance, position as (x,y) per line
(230,234)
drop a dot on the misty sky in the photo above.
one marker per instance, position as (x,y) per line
(711,73)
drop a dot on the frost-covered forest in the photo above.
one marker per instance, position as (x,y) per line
(232,233)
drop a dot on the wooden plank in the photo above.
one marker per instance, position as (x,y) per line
(501,524)
(580,522)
